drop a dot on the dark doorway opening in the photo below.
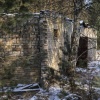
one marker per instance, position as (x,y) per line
(82,52)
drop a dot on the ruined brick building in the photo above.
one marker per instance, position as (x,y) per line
(32,48)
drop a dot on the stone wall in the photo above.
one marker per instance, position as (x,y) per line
(32,49)
(19,53)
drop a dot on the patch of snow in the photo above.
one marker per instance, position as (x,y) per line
(11,15)
(81,22)
(54,90)
(36,15)
(80,70)
(97,90)
(64,77)
(88,1)
(34,98)
(95,67)
(94,63)
(20,85)
(52,94)
(54,97)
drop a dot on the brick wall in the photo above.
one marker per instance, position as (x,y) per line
(31,49)
(19,51)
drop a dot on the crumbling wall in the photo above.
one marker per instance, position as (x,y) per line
(33,48)
(92,42)
(18,53)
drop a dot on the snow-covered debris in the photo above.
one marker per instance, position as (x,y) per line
(29,87)
(22,88)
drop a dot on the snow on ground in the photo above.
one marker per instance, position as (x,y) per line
(54,90)
(93,68)
(94,64)
(88,74)
(54,93)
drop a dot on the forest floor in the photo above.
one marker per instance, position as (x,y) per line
(87,88)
